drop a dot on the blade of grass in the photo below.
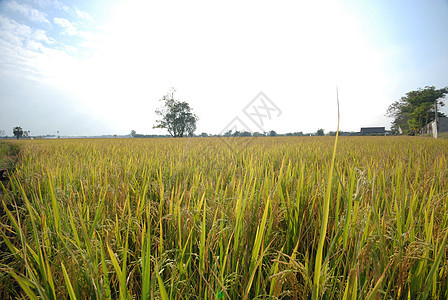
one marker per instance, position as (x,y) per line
(71,292)
(325,213)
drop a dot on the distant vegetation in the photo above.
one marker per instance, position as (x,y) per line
(413,111)
(18,132)
(176,116)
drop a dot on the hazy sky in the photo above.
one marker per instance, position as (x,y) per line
(100,67)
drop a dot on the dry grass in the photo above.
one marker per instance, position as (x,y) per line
(194,218)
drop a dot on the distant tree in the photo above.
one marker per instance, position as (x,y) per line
(176,116)
(228,133)
(272,133)
(236,133)
(294,133)
(17,131)
(257,134)
(239,133)
(204,134)
(320,132)
(133,133)
(413,111)
(190,126)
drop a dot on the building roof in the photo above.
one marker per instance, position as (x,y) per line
(373,129)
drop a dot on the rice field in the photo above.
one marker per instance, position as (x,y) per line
(234,218)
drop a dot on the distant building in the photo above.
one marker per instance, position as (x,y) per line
(373,130)
(442,126)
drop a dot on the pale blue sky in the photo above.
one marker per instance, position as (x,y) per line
(99,67)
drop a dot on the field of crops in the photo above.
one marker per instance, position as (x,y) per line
(239,218)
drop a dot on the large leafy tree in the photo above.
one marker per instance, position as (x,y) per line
(176,116)
(413,111)
(17,131)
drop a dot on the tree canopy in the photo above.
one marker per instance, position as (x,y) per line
(176,116)
(413,111)
(320,132)
(17,131)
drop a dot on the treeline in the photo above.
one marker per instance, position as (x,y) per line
(270,133)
